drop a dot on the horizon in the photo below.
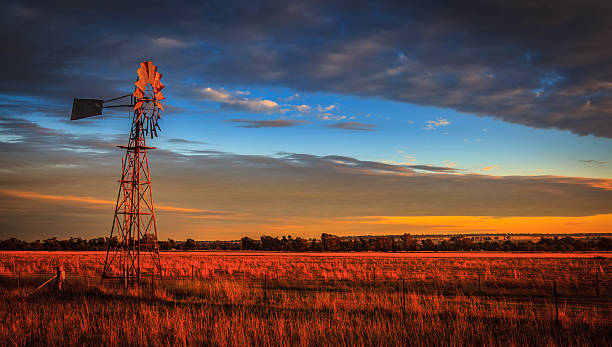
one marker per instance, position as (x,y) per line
(414,236)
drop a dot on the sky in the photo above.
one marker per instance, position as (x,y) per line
(303,117)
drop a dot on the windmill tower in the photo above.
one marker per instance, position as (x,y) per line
(136,251)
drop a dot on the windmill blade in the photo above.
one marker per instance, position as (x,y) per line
(83,108)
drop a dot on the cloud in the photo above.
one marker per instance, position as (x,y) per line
(302,108)
(353,126)
(432,168)
(187,142)
(284,192)
(489,168)
(94,201)
(594,162)
(293,97)
(447,54)
(276,123)
(434,124)
(230,101)
(324,109)
(449,164)
(330,116)
(165,42)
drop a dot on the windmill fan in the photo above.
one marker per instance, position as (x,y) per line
(148,88)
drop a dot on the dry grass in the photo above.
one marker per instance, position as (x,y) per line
(312,300)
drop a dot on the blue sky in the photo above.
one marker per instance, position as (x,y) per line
(400,134)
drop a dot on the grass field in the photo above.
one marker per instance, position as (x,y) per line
(244,299)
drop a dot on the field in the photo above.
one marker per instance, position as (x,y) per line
(228,299)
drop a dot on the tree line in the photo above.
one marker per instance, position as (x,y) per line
(333,243)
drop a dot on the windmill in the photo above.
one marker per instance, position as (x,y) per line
(136,251)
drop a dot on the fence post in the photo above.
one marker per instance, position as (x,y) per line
(192,273)
(59,278)
(556,303)
(479,289)
(597,281)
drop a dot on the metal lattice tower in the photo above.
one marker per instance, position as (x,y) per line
(134,220)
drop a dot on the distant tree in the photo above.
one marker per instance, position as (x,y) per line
(409,244)
(269,243)
(299,244)
(171,244)
(383,244)
(52,244)
(330,242)
(428,245)
(189,245)
(249,244)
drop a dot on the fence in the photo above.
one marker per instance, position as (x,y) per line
(527,290)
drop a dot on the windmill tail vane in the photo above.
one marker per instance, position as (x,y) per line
(134,230)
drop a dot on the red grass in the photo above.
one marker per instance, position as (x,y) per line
(315,299)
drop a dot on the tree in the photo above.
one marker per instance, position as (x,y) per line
(248,243)
(330,242)
(408,242)
(190,245)
(299,244)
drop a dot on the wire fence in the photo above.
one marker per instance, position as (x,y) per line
(592,289)
(570,283)
(483,296)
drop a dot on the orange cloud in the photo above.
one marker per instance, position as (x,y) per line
(32,195)
(603,183)
(489,168)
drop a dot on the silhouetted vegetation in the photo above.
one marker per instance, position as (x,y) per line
(333,243)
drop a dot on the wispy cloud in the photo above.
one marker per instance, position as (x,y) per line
(165,42)
(229,100)
(293,97)
(593,162)
(489,168)
(88,200)
(276,123)
(435,124)
(302,108)
(432,168)
(353,126)
(187,142)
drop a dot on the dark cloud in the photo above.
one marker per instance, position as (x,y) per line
(353,126)
(536,63)
(276,123)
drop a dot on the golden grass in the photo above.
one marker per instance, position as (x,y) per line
(323,300)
